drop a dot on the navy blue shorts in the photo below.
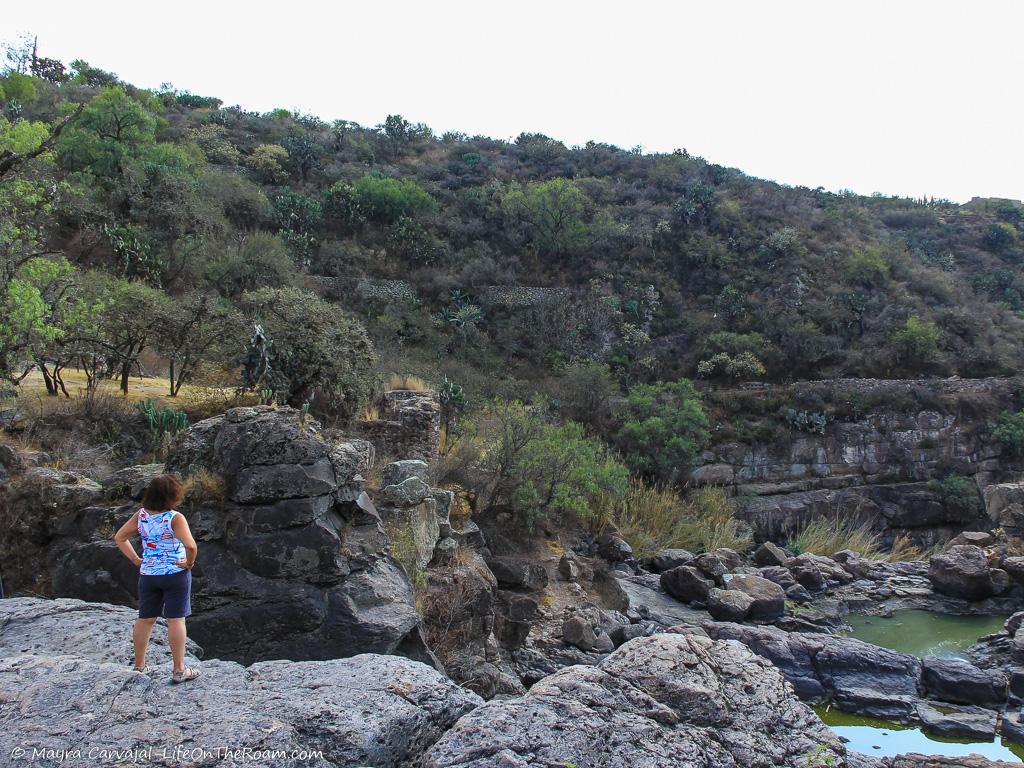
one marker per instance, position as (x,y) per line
(168,595)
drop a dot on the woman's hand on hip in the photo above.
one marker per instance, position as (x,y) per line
(184,564)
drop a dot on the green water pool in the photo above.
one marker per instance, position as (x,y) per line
(923,633)
(881,738)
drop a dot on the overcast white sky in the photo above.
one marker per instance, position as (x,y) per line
(896,96)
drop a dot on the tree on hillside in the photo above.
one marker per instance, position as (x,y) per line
(129,320)
(555,214)
(194,329)
(542,470)
(112,130)
(917,343)
(320,354)
(663,429)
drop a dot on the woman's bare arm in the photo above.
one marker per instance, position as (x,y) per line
(180,527)
(125,532)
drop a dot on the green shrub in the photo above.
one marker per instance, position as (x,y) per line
(956,492)
(663,430)
(917,342)
(542,470)
(387,200)
(1009,432)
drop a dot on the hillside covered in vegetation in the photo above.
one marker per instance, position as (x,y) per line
(163,232)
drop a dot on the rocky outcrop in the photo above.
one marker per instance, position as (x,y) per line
(1004,505)
(963,570)
(408,425)
(414,514)
(294,560)
(65,688)
(678,699)
(871,465)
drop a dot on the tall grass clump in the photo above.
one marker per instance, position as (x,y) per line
(648,517)
(406,381)
(654,517)
(828,535)
(710,523)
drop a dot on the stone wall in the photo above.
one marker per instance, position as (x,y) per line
(408,425)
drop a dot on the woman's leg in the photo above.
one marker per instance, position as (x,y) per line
(176,636)
(178,605)
(140,639)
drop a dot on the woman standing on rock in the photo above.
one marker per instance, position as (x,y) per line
(165,570)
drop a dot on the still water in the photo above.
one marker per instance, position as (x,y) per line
(923,633)
(881,738)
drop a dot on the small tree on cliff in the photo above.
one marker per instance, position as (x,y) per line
(317,349)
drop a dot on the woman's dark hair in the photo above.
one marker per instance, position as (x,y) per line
(164,492)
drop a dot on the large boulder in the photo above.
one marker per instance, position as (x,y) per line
(769,599)
(294,561)
(963,571)
(368,710)
(770,553)
(1004,504)
(660,700)
(667,559)
(816,572)
(858,676)
(686,583)
(729,604)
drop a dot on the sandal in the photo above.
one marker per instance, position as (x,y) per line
(188,673)
(143,670)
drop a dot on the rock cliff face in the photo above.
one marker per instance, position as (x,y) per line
(874,467)
(294,559)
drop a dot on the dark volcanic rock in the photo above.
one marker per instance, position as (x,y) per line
(962,571)
(686,583)
(860,677)
(516,573)
(961,682)
(970,724)
(667,559)
(656,701)
(771,554)
(729,604)
(293,561)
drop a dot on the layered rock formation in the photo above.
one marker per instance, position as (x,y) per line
(294,559)
(874,467)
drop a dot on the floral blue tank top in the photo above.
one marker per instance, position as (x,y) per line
(161,549)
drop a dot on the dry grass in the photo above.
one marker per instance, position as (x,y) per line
(828,535)
(139,388)
(653,518)
(407,381)
(205,487)
(369,413)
